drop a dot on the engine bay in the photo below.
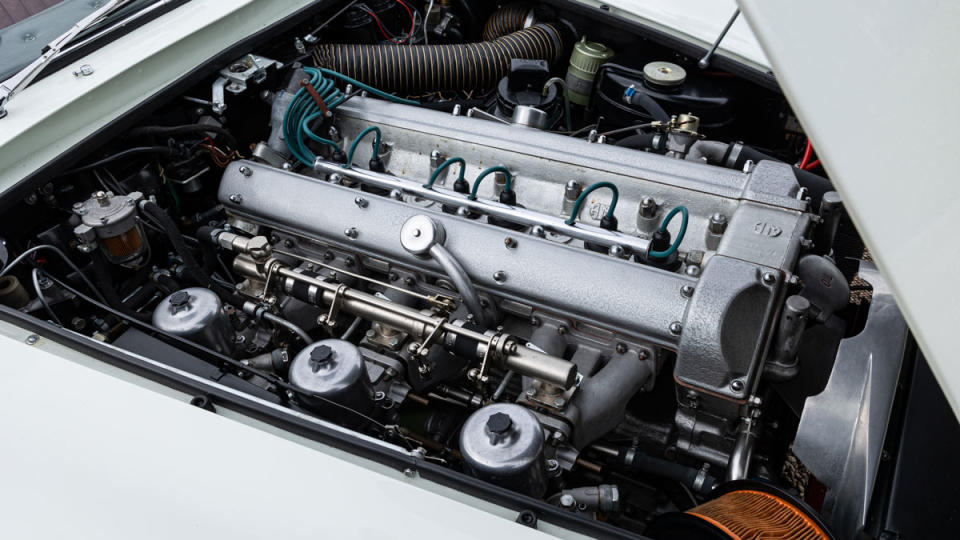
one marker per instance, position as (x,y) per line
(540,251)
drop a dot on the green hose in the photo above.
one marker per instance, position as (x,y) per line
(485,173)
(356,143)
(583,196)
(443,166)
(663,227)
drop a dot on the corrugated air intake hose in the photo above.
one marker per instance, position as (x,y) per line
(417,69)
(507,20)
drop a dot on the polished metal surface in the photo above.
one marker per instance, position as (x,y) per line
(195,314)
(332,370)
(503,443)
(842,429)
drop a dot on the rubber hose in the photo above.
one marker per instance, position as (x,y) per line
(667,469)
(644,141)
(167,131)
(417,69)
(816,185)
(506,20)
(101,271)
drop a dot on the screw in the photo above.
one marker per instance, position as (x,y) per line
(288,243)
(686,291)
(349,261)
(236,198)
(328,255)
(553,465)
(351,233)
(538,231)
(621,348)
(246,171)
(534,322)
(410,472)
(676,328)
(737,385)
(616,251)
(692,270)
(500,276)
(562,329)
(393,276)
(643,354)
(510,242)
(769,278)
(361,202)
(32,339)
(409,282)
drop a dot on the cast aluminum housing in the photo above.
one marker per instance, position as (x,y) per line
(717,313)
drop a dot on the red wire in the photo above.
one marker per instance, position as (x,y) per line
(807,153)
(384,31)
(812,165)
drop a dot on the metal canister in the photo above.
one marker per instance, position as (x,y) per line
(110,222)
(333,370)
(585,62)
(195,314)
(503,444)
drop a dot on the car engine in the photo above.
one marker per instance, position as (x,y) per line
(539,252)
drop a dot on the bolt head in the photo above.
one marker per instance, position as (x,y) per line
(361,202)
(500,276)
(676,328)
(621,348)
(687,291)
(769,278)
(692,270)
(246,171)
(616,251)
(351,233)
(538,231)
(559,402)
(736,385)
(510,242)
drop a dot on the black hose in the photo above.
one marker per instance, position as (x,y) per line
(506,20)
(687,476)
(417,69)
(163,150)
(816,185)
(101,272)
(652,141)
(168,131)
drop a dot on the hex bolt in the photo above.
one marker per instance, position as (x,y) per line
(236,198)
(643,354)
(531,392)
(736,385)
(648,207)
(84,71)
(559,402)
(718,223)
(676,328)
(361,202)
(692,270)
(621,348)
(351,233)
(246,171)
(687,291)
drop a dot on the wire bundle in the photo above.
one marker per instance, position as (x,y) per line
(315,101)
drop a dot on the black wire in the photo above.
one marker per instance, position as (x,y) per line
(120,155)
(269,377)
(161,131)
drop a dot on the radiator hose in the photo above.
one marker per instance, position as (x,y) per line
(417,69)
